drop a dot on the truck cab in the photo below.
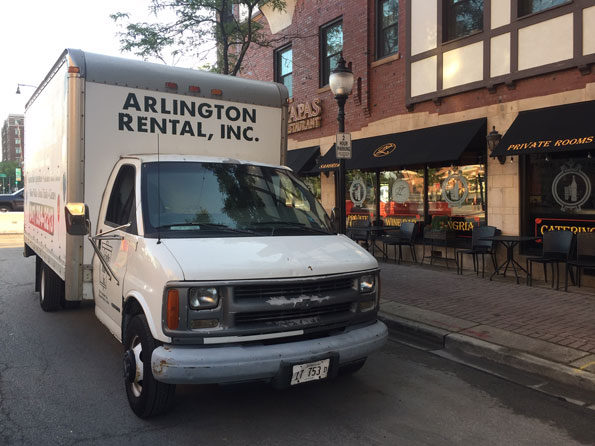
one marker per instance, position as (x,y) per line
(215,270)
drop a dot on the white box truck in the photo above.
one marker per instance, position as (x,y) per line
(159,193)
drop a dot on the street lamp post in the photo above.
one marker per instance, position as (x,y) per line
(23,85)
(341,83)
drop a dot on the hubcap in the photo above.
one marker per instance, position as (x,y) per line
(42,285)
(136,383)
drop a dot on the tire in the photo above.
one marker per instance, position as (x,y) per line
(147,396)
(51,289)
(4,208)
(352,367)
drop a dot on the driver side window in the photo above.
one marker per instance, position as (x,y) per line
(121,208)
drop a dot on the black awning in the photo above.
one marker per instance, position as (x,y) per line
(302,160)
(427,146)
(563,128)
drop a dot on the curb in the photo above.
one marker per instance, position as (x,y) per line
(457,343)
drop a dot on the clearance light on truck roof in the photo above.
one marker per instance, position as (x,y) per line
(173,309)
(194,89)
(74,70)
(171,85)
(216,92)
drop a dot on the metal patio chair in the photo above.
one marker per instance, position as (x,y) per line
(556,249)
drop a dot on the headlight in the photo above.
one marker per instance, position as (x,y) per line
(203,298)
(367,283)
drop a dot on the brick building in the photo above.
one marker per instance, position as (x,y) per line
(432,79)
(13,137)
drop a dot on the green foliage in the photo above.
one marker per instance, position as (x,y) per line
(198,27)
(8,169)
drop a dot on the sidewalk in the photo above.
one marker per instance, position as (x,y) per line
(535,329)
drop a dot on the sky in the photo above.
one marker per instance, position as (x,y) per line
(33,34)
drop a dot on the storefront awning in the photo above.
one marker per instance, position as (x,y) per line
(431,145)
(302,160)
(562,128)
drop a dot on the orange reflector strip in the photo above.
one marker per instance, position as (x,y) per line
(74,70)
(173,309)
(216,92)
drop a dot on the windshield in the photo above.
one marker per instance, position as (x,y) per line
(193,199)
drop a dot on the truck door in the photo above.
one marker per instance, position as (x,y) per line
(118,210)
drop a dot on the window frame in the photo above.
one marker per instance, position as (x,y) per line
(323,58)
(277,66)
(132,217)
(447,12)
(379,31)
(521,3)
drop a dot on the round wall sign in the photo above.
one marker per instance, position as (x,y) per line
(400,193)
(571,188)
(451,190)
(357,191)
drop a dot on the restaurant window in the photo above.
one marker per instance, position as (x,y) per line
(462,17)
(401,196)
(527,7)
(284,68)
(331,46)
(360,196)
(457,198)
(388,28)
(559,194)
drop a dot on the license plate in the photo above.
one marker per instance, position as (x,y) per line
(311,371)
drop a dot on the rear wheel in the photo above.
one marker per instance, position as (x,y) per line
(51,289)
(147,396)
(5,208)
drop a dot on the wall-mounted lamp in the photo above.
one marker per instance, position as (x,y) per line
(493,139)
(23,85)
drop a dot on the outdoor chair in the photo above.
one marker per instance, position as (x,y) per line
(358,231)
(585,256)
(404,237)
(479,247)
(556,250)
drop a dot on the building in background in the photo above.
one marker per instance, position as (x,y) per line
(432,79)
(13,137)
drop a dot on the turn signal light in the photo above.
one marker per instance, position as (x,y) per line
(173,309)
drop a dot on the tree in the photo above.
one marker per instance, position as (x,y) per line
(8,168)
(198,27)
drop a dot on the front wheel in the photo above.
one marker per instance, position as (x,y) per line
(147,396)
(4,208)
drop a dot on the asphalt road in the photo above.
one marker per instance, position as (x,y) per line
(61,383)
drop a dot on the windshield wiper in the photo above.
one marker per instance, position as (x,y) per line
(211,226)
(289,224)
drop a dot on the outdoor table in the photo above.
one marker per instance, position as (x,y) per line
(509,242)
(373,233)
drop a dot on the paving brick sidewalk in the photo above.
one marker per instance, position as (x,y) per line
(564,319)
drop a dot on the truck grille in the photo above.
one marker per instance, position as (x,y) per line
(298,315)
(294,289)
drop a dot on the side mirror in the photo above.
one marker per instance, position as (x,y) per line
(77,215)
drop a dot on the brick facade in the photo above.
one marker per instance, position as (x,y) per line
(379,89)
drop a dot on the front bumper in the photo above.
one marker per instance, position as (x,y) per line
(237,363)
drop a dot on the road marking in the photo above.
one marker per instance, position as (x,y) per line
(584,366)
